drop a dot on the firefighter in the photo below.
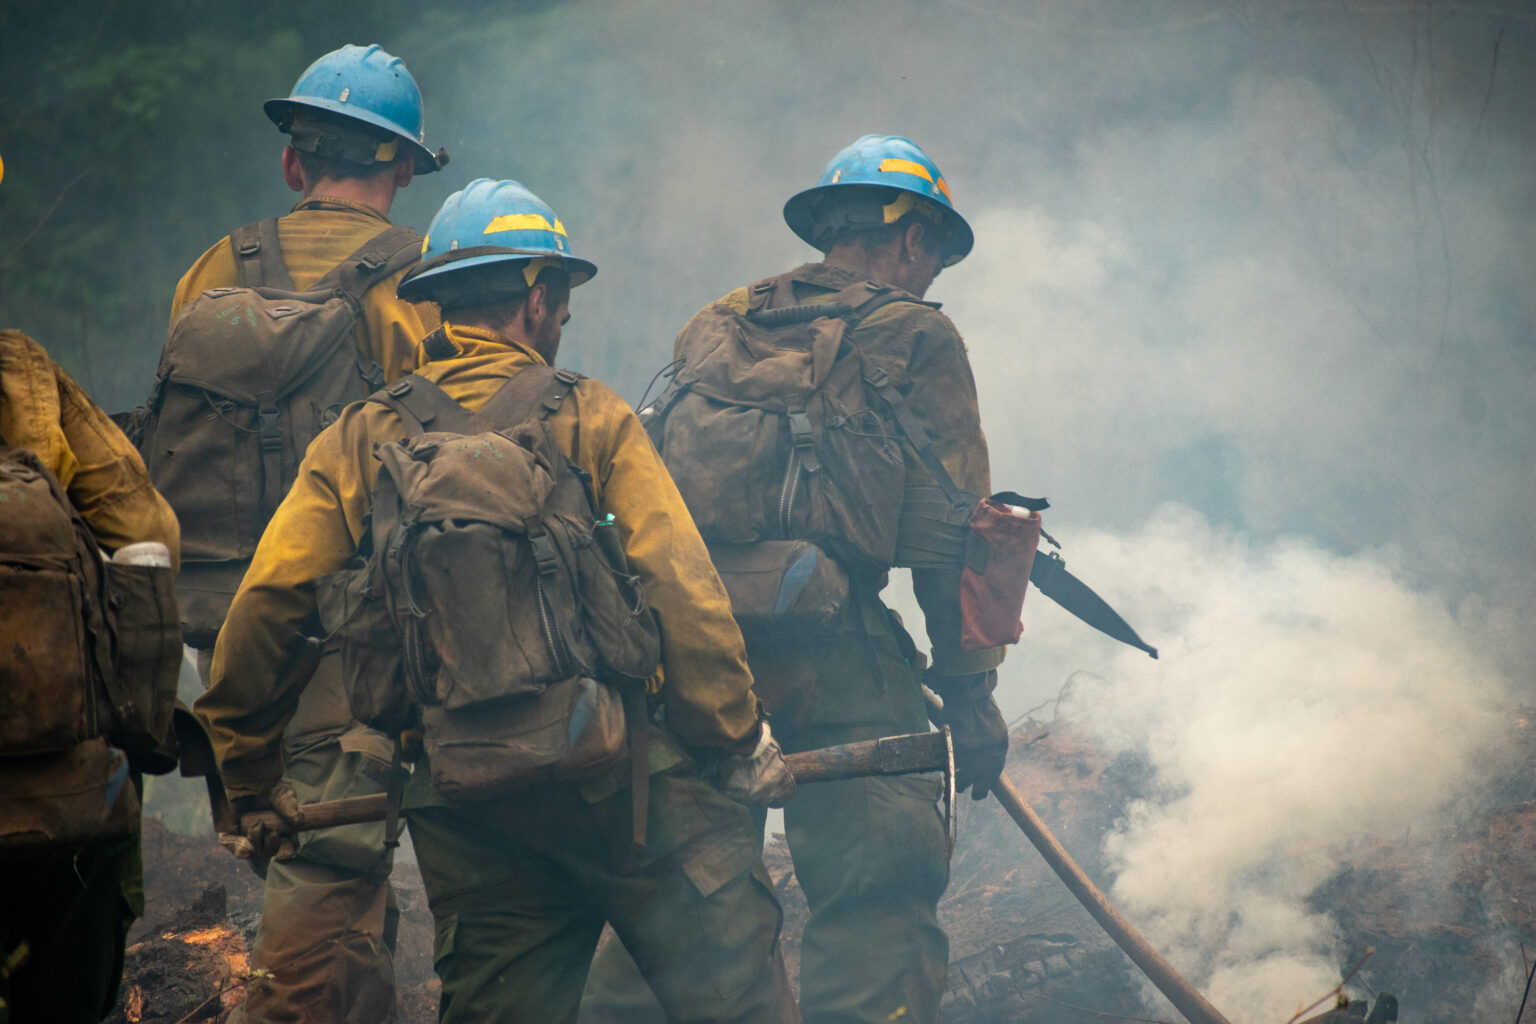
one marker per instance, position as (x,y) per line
(870,853)
(67,911)
(354,127)
(520,884)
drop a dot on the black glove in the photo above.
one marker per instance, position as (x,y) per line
(976,727)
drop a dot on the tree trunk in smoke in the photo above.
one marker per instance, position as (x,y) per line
(1179,992)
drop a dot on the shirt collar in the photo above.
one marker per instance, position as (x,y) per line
(320,202)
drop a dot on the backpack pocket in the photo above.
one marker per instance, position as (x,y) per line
(618,621)
(46,685)
(572,729)
(61,801)
(513,627)
(354,616)
(147,635)
(782,586)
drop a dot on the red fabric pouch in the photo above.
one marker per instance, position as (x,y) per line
(999,553)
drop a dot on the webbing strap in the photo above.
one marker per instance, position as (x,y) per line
(259,256)
(639,762)
(422,405)
(915,433)
(395,793)
(536,391)
(382,255)
(270,423)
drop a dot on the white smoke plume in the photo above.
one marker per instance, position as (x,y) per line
(1304,705)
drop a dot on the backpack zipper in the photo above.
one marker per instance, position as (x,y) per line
(551,638)
(415,662)
(787,492)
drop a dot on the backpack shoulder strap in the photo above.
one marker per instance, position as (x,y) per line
(382,255)
(537,391)
(259,256)
(915,433)
(423,406)
(876,296)
(866,297)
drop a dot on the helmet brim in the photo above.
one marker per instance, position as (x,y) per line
(799,215)
(417,284)
(280,112)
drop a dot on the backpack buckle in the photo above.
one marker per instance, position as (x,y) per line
(400,388)
(800,430)
(271,430)
(544,553)
(371,262)
(805,444)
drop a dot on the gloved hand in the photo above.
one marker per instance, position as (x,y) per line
(757,776)
(976,727)
(254,840)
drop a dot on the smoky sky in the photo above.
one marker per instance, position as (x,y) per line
(1251,302)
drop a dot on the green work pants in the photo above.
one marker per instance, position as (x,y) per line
(521,885)
(328,917)
(869,853)
(72,913)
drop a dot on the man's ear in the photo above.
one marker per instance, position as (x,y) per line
(293,169)
(535,306)
(914,238)
(405,170)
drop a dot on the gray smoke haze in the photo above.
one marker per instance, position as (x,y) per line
(1252,302)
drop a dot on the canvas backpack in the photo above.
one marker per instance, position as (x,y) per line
(248,377)
(89,653)
(486,603)
(779,433)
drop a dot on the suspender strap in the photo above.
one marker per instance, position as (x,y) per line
(538,390)
(270,420)
(639,761)
(423,406)
(395,792)
(259,256)
(384,254)
(915,434)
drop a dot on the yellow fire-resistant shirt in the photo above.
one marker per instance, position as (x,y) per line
(43,410)
(706,685)
(320,233)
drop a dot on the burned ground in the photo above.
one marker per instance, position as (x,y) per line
(1022,948)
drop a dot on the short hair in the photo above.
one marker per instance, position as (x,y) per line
(335,147)
(856,217)
(493,284)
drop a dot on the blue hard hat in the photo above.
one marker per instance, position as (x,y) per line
(887,162)
(488,222)
(365,84)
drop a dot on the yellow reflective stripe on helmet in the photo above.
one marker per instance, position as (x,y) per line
(532,267)
(523,222)
(386,151)
(892,163)
(424,243)
(943,188)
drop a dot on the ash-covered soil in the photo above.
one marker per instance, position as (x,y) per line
(1022,948)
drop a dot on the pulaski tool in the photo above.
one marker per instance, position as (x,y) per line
(889,755)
